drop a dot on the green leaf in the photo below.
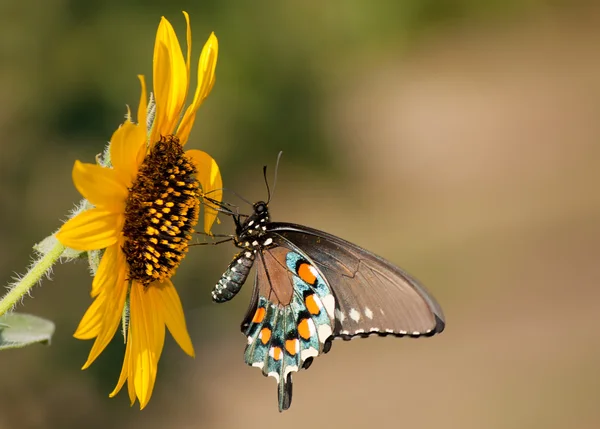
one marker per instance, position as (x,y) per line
(20,330)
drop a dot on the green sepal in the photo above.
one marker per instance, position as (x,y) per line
(125,319)
(49,243)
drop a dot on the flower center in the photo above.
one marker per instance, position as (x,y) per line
(160,212)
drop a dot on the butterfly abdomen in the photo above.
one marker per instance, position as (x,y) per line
(234,277)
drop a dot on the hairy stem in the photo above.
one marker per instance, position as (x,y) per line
(38,269)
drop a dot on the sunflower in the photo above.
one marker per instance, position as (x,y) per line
(145,208)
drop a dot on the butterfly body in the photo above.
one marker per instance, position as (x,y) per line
(248,237)
(311,287)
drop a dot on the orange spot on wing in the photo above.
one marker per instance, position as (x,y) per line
(311,304)
(265,335)
(303,329)
(290,346)
(259,316)
(277,353)
(306,274)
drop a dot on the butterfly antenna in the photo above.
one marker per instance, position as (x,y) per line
(276,170)
(269,192)
(267,184)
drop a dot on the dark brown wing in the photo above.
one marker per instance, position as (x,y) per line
(371,294)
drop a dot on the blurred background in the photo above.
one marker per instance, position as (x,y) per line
(459,139)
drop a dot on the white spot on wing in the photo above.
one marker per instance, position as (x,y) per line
(309,352)
(268,241)
(275,375)
(318,301)
(258,364)
(289,369)
(339,315)
(251,223)
(354,315)
(329,303)
(368,313)
(250,339)
(311,327)
(359,331)
(255,243)
(324,332)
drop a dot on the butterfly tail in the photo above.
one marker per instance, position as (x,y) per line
(291,358)
(284,393)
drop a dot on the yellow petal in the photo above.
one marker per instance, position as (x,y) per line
(100,186)
(106,275)
(147,335)
(90,324)
(210,180)
(91,230)
(131,371)
(113,310)
(125,145)
(143,107)
(124,371)
(206,80)
(102,287)
(128,140)
(170,80)
(188,34)
(159,327)
(169,305)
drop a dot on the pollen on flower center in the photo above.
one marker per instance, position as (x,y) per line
(160,213)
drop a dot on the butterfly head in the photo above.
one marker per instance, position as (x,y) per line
(254,226)
(260,209)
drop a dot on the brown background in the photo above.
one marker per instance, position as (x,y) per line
(458,140)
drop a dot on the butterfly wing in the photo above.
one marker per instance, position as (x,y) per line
(311,286)
(290,318)
(372,296)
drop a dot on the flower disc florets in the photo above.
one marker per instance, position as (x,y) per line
(160,212)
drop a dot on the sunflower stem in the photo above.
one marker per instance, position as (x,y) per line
(37,270)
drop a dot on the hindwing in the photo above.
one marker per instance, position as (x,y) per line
(291,318)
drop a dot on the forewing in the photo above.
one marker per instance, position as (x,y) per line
(371,294)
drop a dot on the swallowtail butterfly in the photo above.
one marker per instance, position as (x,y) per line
(311,287)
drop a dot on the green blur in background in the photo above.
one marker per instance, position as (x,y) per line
(459,139)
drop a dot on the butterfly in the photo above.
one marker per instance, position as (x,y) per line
(311,287)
